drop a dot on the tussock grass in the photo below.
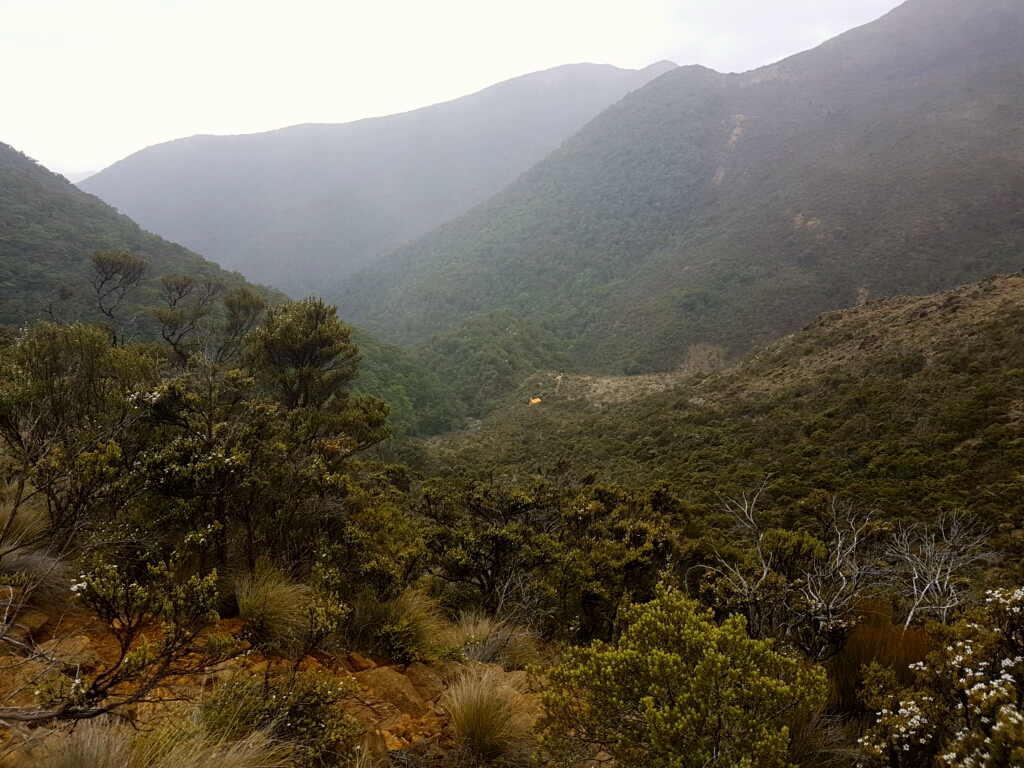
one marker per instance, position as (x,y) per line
(273,608)
(41,575)
(491,718)
(489,640)
(876,638)
(408,628)
(107,744)
(30,522)
(300,712)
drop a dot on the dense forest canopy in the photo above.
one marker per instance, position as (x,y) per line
(48,228)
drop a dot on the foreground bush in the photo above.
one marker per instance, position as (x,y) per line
(678,691)
(962,705)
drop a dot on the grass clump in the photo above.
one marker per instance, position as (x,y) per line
(877,639)
(104,743)
(27,565)
(273,607)
(407,628)
(490,640)
(300,712)
(491,718)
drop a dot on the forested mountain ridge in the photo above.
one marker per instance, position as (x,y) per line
(48,231)
(731,209)
(910,405)
(299,205)
(49,227)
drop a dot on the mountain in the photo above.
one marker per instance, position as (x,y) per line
(49,227)
(909,405)
(297,206)
(728,210)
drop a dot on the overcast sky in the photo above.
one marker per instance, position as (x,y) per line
(87,82)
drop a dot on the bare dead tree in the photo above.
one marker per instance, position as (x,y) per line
(931,565)
(754,587)
(835,586)
(812,609)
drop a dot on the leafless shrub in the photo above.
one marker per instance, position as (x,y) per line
(931,565)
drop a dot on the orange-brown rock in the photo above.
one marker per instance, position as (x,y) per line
(359,663)
(28,625)
(427,681)
(396,689)
(77,651)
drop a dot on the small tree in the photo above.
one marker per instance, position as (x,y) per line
(115,274)
(189,302)
(306,353)
(678,690)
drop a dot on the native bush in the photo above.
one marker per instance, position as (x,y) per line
(962,704)
(677,690)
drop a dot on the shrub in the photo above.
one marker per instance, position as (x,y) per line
(299,712)
(678,690)
(408,628)
(491,719)
(962,706)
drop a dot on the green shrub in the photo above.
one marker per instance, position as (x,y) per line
(678,690)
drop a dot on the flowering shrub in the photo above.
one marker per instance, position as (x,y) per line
(178,617)
(963,708)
